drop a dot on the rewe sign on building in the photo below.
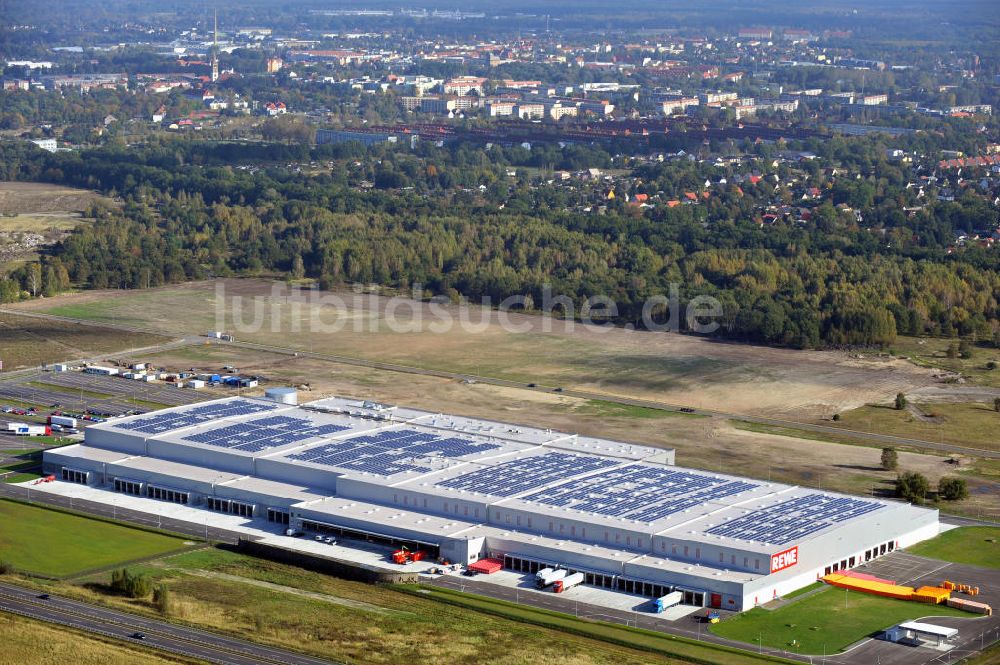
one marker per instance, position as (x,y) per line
(785,559)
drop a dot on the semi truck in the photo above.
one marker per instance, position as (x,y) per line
(567,582)
(62,421)
(671,599)
(23,429)
(546,576)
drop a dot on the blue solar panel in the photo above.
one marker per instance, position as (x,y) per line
(390,452)
(793,519)
(521,475)
(257,435)
(639,492)
(166,422)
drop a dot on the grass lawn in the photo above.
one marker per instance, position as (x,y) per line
(796,433)
(803,591)
(974,545)
(824,622)
(49,542)
(19,478)
(968,424)
(599,407)
(69,390)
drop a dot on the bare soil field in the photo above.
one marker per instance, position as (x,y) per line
(34,215)
(29,341)
(24,198)
(678,369)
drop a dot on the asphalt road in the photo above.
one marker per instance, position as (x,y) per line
(161,635)
(690,626)
(868,437)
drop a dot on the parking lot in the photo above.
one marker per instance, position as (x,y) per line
(79,393)
(109,394)
(974,632)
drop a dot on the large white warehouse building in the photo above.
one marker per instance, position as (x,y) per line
(465,489)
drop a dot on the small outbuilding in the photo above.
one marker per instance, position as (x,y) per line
(916,632)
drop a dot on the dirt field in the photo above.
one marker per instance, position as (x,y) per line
(734,378)
(23,198)
(33,215)
(29,342)
(678,369)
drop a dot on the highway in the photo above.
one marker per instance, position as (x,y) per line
(866,437)
(158,634)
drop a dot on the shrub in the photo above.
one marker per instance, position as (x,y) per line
(161,598)
(912,486)
(890,459)
(133,586)
(953,489)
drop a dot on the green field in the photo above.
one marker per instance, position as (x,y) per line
(826,622)
(600,407)
(69,389)
(968,424)
(29,342)
(355,623)
(50,542)
(649,640)
(933,352)
(974,545)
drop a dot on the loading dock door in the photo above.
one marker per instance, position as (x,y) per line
(716,600)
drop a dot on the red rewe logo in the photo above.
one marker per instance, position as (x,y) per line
(785,559)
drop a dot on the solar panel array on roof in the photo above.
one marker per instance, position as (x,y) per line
(639,492)
(521,475)
(793,519)
(270,432)
(391,452)
(166,422)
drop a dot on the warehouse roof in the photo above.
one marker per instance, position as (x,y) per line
(533,470)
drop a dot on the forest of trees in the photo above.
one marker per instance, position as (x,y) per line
(446,217)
